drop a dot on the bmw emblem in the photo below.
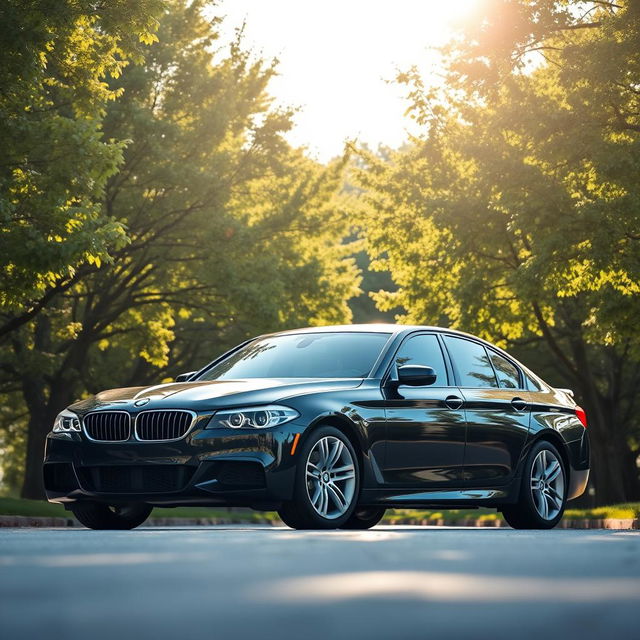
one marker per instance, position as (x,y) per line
(141,402)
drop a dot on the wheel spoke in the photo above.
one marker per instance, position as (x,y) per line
(544,506)
(325,500)
(313,471)
(335,454)
(547,486)
(346,472)
(536,471)
(346,467)
(316,495)
(555,494)
(347,475)
(543,464)
(555,503)
(338,497)
(553,471)
(317,502)
(324,452)
(330,477)
(552,510)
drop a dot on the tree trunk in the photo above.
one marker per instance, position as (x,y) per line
(614,469)
(44,403)
(613,465)
(40,423)
(46,397)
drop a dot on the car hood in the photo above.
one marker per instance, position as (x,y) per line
(211,394)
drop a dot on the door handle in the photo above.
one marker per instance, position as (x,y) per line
(519,404)
(453,402)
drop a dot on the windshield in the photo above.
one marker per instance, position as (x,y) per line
(302,355)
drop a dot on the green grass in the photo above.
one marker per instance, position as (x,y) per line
(618,511)
(625,511)
(35,508)
(396,516)
(243,516)
(40,508)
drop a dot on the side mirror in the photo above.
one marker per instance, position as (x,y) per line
(183,377)
(414,375)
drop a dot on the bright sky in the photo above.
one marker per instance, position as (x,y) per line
(337,56)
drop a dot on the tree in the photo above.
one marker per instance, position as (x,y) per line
(230,232)
(516,215)
(55,61)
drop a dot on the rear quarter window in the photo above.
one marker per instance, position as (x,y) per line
(507,372)
(531,383)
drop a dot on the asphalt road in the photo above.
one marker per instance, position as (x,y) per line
(262,582)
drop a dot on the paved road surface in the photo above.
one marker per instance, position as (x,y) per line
(262,582)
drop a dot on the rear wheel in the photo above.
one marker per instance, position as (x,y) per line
(97,515)
(543,491)
(326,484)
(364,518)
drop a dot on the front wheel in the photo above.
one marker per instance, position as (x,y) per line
(97,515)
(364,518)
(327,482)
(543,492)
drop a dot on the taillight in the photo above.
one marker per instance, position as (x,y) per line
(582,416)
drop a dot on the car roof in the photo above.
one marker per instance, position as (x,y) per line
(374,327)
(398,329)
(391,329)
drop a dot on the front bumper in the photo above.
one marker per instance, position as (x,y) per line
(210,467)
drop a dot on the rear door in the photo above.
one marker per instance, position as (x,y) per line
(496,408)
(425,425)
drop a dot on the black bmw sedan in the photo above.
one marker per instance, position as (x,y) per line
(329,426)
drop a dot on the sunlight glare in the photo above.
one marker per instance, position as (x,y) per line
(337,59)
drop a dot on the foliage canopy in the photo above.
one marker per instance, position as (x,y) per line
(221,230)
(516,214)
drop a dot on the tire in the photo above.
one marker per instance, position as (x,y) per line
(322,498)
(97,515)
(289,516)
(543,493)
(364,518)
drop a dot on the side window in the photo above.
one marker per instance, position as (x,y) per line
(508,374)
(424,350)
(532,384)
(472,363)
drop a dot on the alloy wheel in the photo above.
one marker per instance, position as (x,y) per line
(547,484)
(331,477)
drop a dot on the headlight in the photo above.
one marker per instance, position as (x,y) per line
(252,417)
(66,422)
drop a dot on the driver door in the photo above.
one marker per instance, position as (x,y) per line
(426,426)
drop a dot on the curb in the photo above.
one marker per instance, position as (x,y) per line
(35,522)
(569,523)
(39,522)
(606,523)
(207,522)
